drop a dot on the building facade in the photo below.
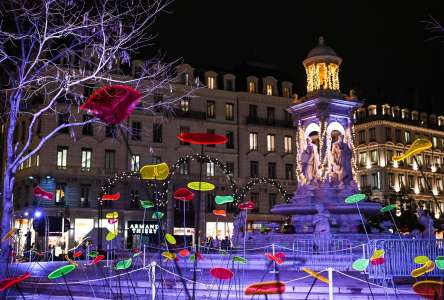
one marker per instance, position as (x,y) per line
(384,131)
(250,110)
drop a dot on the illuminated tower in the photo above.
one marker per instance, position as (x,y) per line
(322,68)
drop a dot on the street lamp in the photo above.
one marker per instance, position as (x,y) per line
(37,215)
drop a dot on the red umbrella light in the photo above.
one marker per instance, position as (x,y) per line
(200,138)
(183,194)
(221,273)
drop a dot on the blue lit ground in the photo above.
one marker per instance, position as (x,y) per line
(137,284)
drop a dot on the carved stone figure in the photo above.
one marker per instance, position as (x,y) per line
(238,227)
(310,162)
(427,221)
(321,223)
(341,168)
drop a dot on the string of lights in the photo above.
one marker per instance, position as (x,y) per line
(262,180)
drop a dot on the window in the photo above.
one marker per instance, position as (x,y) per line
(136,131)
(60,193)
(211,131)
(110,131)
(391,179)
(375,177)
(271,146)
(269,89)
(37,160)
(84,195)
(388,157)
(210,169)
(287,116)
(362,159)
(229,85)
(401,180)
(286,92)
(272,200)
(63,118)
(420,160)
(272,170)
(87,129)
(135,162)
(363,181)
(374,156)
(254,169)
(287,144)
(421,183)
(230,137)
(388,134)
(407,137)
(411,181)
(230,167)
(427,160)
(157,133)
(184,168)
(211,82)
(185,78)
(372,133)
(110,159)
(229,114)
(252,87)
(361,135)
(211,205)
(252,109)
(435,142)
(62,157)
(398,135)
(253,140)
(185,104)
(289,172)
(439,185)
(184,129)
(86,159)
(255,198)
(270,115)
(211,109)
(134,199)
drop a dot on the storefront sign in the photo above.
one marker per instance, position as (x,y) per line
(139,228)
(180,231)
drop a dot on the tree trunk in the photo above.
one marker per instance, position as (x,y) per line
(8,185)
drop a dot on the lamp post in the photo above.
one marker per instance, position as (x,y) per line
(37,215)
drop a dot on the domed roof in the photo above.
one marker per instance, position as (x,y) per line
(321,49)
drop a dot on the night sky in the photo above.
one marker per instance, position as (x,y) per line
(388,55)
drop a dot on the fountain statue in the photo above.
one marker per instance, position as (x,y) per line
(310,162)
(341,168)
(321,223)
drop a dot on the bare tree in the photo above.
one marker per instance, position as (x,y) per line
(50,50)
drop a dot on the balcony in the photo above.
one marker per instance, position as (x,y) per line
(269,122)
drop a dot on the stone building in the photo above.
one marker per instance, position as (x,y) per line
(250,108)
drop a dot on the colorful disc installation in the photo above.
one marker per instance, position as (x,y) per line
(360,264)
(41,193)
(265,288)
(93,254)
(246,205)
(110,236)
(146,204)
(439,262)
(418,146)
(62,271)
(113,221)
(221,273)
(421,259)
(8,282)
(184,253)
(9,235)
(201,186)
(316,275)
(157,215)
(429,289)
(183,194)
(155,172)
(199,138)
(77,254)
(97,259)
(169,255)
(123,264)
(388,208)
(223,199)
(239,259)
(355,198)
(219,212)
(426,268)
(272,257)
(170,239)
(112,104)
(112,215)
(111,197)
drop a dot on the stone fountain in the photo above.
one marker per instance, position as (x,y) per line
(324,152)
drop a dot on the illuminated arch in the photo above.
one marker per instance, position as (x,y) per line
(267,181)
(310,128)
(335,125)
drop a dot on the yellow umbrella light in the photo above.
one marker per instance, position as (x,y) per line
(418,146)
(201,186)
(111,235)
(157,172)
(112,215)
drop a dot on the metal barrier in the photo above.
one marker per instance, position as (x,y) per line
(322,254)
(399,255)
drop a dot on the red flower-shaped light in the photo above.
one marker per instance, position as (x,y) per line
(97,259)
(275,258)
(184,252)
(247,205)
(200,138)
(8,282)
(41,193)
(183,194)
(111,197)
(265,288)
(77,254)
(219,212)
(112,104)
(221,273)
